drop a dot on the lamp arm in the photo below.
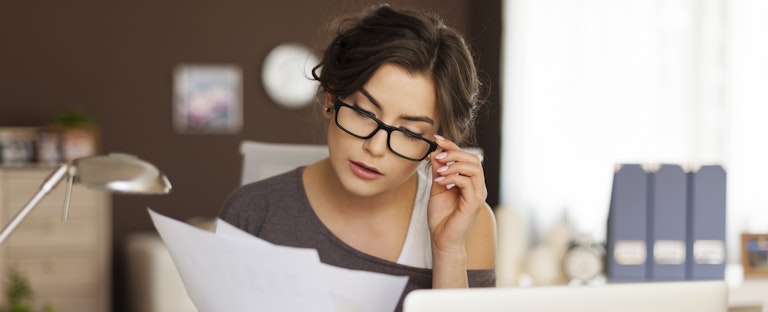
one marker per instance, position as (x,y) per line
(65,212)
(47,186)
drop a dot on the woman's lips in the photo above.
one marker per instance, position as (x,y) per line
(364,171)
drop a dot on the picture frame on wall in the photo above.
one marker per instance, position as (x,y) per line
(207,99)
(754,254)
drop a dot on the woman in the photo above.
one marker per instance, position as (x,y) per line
(396,195)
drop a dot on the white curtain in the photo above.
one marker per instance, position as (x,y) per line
(588,84)
(747,115)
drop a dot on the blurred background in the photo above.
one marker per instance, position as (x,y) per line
(573,88)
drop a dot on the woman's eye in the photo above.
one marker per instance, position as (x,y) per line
(411,134)
(364,112)
(413,138)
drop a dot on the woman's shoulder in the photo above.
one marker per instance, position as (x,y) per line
(253,199)
(269,187)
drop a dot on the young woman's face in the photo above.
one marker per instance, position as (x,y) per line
(368,167)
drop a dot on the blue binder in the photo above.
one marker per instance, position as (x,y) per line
(667,223)
(627,251)
(706,224)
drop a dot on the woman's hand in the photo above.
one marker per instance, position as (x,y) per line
(458,193)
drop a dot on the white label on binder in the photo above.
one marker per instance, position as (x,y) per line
(669,252)
(708,251)
(629,252)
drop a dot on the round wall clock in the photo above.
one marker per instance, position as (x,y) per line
(286,75)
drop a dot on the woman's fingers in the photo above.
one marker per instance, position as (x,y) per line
(453,153)
(454,166)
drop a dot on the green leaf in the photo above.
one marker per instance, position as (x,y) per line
(19,294)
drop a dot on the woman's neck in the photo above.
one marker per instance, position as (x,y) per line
(376,225)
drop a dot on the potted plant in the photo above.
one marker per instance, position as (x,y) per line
(78,134)
(19,294)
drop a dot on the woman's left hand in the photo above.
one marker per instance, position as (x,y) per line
(452,210)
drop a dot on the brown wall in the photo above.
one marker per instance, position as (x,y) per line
(114,60)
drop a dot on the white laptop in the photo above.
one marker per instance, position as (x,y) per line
(699,296)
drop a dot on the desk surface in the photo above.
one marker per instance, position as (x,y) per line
(746,293)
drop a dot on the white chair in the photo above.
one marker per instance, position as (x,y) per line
(154,283)
(262,160)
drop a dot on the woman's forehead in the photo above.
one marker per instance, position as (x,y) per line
(392,87)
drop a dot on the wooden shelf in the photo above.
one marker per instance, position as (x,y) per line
(68,262)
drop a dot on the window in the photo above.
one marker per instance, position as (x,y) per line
(590,84)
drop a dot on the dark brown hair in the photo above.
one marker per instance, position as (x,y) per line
(418,42)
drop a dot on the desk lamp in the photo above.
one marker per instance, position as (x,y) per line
(118,173)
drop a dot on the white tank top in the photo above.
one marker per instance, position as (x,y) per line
(417,249)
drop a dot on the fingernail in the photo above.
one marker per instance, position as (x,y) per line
(441,155)
(438,179)
(442,169)
(439,137)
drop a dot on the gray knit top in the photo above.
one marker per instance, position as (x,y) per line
(277,210)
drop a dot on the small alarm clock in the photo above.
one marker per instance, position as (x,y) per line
(584,261)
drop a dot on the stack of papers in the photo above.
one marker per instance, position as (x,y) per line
(231,270)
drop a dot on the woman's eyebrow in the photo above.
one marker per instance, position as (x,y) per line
(406,117)
(370,98)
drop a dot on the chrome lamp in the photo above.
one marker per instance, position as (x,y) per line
(118,173)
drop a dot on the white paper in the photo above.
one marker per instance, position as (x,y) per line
(351,290)
(231,270)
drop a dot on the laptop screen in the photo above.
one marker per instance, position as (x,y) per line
(700,296)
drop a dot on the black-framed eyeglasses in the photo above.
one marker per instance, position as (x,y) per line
(362,125)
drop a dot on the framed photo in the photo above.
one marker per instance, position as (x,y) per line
(207,99)
(754,255)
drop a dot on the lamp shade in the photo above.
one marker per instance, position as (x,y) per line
(120,173)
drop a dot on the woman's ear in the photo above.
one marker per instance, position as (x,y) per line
(328,105)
